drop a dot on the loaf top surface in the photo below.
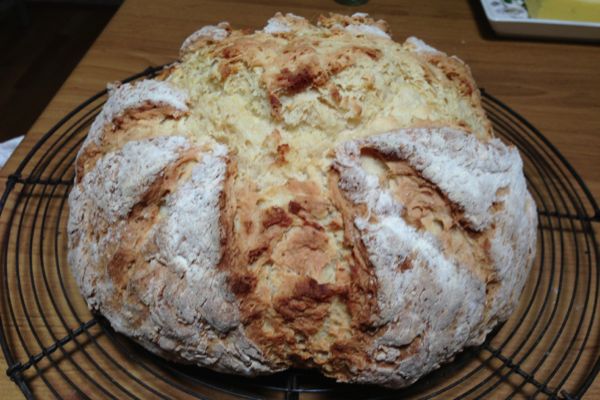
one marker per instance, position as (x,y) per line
(302,195)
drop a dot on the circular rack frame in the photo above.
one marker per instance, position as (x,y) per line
(54,346)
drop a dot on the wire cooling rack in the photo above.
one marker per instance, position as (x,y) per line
(55,347)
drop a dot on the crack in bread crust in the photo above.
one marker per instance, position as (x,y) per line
(168,294)
(410,255)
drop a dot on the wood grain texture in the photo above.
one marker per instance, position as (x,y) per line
(37,59)
(553,85)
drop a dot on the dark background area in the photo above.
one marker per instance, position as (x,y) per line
(41,42)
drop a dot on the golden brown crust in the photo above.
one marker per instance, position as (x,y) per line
(335,21)
(458,74)
(115,135)
(290,67)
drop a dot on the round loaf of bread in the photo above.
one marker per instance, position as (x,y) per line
(302,196)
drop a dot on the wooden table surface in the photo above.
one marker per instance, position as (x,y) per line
(556,86)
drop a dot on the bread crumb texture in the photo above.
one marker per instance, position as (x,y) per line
(309,195)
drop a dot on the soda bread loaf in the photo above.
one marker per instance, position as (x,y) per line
(304,195)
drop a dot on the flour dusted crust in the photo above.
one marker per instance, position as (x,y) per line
(302,195)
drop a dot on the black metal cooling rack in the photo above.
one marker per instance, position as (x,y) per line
(55,347)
